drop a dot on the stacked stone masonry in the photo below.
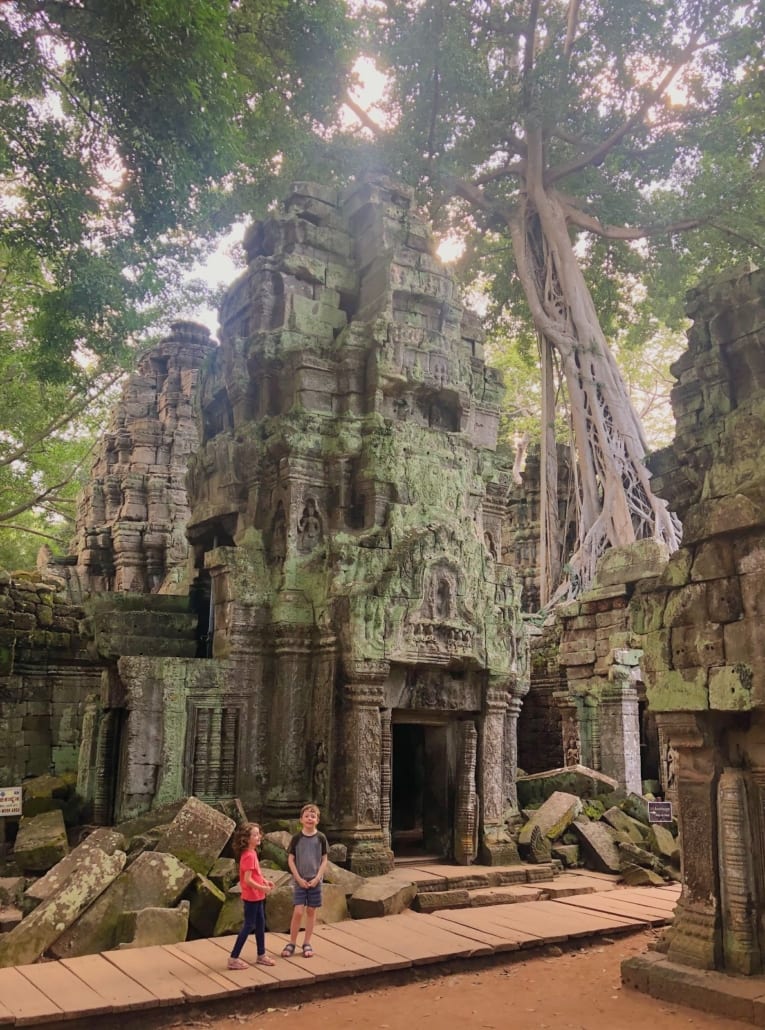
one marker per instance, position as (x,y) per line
(703,632)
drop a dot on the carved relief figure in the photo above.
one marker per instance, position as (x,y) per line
(320,773)
(309,527)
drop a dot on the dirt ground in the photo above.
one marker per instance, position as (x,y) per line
(576,989)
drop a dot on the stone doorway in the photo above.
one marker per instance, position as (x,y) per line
(422,790)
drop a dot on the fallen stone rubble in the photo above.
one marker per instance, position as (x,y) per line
(579,817)
(170,875)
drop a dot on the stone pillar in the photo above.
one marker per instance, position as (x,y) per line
(360,786)
(620,723)
(495,847)
(386,775)
(694,938)
(510,764)
(466,803)
(739,834)
(289,774)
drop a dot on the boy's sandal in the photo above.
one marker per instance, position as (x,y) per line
(264,960)
(307,951)
(288,950)
(236,963)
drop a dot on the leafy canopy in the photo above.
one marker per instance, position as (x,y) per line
(132,132)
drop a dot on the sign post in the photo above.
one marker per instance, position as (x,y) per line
(10,801)
(660,812)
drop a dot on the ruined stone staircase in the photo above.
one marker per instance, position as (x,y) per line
(441,886)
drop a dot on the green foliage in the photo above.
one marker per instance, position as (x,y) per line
(652,119)
(132,133)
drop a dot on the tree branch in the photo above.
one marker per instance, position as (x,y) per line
(58,422)
(33,532)
(599,153)
(362,115)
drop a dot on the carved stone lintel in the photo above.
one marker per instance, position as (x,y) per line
(365,671)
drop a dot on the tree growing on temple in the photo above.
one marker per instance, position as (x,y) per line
(131,134)
(590,147)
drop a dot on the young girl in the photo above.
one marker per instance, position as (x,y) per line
(254,889)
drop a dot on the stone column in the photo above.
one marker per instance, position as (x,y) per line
(360,786)
(694,938)
(289,774)
(466,802)
(739,833)
(495,847)
(386,775)
(510,763)
(620,723)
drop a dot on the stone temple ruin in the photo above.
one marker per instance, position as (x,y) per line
(344,626)
(329,606)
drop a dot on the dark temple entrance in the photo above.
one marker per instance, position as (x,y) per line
(422,794)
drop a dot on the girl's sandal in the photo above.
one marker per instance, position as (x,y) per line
(236,963)
(264,960)
(307,951)
(288,950)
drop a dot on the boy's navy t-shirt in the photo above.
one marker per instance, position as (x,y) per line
(308,851)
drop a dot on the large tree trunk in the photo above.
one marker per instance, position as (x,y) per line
(616,503)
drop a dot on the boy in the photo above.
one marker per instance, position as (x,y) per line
(307,860)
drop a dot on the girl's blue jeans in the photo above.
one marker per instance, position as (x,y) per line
(254,922)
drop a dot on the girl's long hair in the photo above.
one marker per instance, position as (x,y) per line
(241,839)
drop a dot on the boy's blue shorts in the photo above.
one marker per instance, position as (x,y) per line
(308,896)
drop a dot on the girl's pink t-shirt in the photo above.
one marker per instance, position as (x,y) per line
(249,860)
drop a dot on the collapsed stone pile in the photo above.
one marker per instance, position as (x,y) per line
(581,817)
(158,879)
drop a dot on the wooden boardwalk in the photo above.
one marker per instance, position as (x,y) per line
(101,990)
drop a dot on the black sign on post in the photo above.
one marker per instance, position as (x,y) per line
(659,811)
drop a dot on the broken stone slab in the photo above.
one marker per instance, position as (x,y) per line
(41,842)
(206,901)
(573,779)
(233,808)
(338,853)
(274,847)
(160,816)
(568,854)
(149,926)
(634,855)
(350,882)
(224,873)
(104,839)
(485,899)
(279,907)
(154,880)
(637,808)
(42,928)
(437,901)
(386,895)
(11,890)
(553,817)
(662,843)
(197,835)
(598,846)
(637,876)
(625,824)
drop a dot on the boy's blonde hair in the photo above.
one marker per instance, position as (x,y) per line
(312,807)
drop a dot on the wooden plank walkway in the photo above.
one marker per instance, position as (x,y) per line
(93,989)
